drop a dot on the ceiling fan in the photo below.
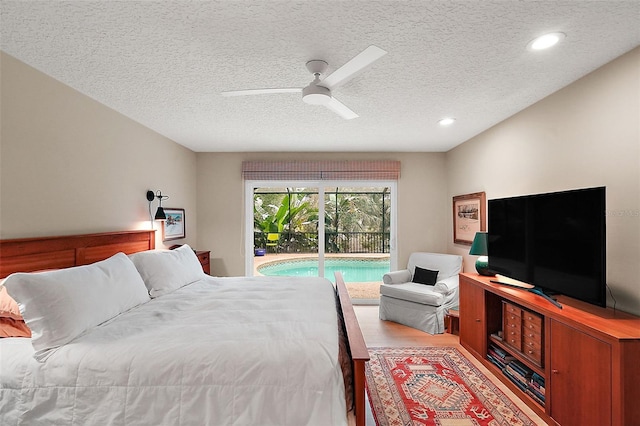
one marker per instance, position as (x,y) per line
(318,92)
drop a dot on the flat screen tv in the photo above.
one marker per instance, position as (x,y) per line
(554,241)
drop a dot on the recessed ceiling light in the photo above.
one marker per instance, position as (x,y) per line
(446,121)
(545,41)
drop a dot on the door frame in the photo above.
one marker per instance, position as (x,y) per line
(251,185)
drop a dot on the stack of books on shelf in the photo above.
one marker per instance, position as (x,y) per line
(535,388)
(519,374)
(525,378)
(499,357)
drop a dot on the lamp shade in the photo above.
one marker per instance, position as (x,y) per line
(479,245)
(160,214)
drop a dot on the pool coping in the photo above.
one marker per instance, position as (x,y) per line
(276,262)
(276,257)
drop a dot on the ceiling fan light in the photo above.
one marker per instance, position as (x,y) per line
(318,92)
(316,95)
(316,99)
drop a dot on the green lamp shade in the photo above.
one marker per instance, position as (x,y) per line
(479,245)
(479,248)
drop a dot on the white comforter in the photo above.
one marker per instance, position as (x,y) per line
(221,351)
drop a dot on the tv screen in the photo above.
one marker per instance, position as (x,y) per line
(555,241)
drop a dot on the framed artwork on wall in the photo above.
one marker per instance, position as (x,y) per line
(469,217)
(174,227)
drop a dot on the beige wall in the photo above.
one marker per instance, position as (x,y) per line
(71,165)
(421,195)
(585,135)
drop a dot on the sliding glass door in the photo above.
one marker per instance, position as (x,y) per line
(358,237)
(285,228)
(316,228)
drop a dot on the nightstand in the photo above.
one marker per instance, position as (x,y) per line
(203,257)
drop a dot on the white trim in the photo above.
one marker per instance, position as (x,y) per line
(250,185)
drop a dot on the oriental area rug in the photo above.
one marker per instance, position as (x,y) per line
(435,386)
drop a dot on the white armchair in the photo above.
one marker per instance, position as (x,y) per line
(421,305)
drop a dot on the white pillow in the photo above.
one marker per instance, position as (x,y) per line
(60,305)
(165,271)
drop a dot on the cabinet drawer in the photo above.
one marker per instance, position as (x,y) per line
(531,327)
(512,309)
(511,317)
(532,340)
(513,340)
(511,334)
(534,355)
(511,325)
(530,336)
(530,317)
(534,343)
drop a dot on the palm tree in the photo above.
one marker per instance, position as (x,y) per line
(347,210)
(292,210)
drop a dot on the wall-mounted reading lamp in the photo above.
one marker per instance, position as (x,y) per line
(160,212)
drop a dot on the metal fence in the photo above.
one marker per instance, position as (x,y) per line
(335,242)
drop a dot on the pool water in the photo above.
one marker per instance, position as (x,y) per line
(353,270)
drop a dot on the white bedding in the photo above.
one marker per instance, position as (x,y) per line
(220,351)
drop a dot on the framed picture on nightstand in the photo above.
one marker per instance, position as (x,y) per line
(174,227)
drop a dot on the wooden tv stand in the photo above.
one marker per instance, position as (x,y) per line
(589,357)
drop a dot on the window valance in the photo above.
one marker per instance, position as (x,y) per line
(321,170)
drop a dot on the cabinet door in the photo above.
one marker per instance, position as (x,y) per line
(473,335)
(580,381)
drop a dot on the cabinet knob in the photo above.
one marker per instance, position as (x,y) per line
(555,371)
(530,335)
(477,319)
(530,352)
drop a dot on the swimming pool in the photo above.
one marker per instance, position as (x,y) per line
(354,270)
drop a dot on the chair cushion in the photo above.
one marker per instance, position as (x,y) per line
(413,292)
(424,276)
(448,265)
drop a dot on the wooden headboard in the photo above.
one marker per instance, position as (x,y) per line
(34,254)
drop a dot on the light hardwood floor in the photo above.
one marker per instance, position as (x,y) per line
(386,333)
(378,333)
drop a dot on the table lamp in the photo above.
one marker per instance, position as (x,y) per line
(479,248)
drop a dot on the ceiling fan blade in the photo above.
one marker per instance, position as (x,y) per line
(341,109)
(354,67)
(261,91)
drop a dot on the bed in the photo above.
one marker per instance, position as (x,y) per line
(177,347)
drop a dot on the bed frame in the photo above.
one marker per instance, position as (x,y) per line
(36,254)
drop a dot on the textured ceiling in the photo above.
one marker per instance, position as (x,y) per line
(164,64)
